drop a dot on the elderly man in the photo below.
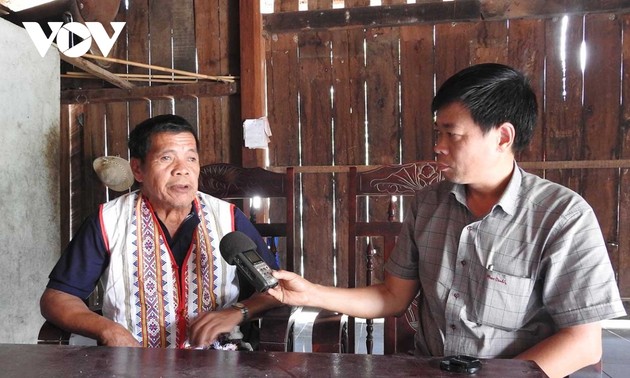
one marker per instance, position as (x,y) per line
(156,251)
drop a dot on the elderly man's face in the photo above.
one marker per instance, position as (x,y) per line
(170,172)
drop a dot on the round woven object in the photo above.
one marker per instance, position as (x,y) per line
(114,172)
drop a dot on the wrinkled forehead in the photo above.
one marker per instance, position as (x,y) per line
(166,138)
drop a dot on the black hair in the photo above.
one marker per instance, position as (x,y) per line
(494,94)
(140,137)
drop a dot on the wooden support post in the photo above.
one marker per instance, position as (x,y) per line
(252,87)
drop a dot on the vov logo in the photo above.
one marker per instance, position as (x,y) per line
(63,34)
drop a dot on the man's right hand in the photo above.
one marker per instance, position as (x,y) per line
(117,335)
(70,313)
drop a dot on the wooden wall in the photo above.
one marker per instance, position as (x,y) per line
(345,94)
(342,93)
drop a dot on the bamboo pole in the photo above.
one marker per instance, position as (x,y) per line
(145,76)
(227,79)
(98,71)
(138,79)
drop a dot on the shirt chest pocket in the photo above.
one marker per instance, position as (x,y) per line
(499,299)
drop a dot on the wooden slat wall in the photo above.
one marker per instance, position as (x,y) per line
(316,128)
(170,34)
(383,81)
(349,135)
(624,182)
(600,117)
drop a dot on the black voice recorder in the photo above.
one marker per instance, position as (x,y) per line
(238,249)
(461,364)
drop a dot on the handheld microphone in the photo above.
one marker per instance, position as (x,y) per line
(238,249)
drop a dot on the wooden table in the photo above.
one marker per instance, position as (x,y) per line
(22,360)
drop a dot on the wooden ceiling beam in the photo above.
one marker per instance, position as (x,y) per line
(201,89)
(434,12)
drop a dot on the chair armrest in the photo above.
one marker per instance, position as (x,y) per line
(276,329)
(52,335)
(330,332)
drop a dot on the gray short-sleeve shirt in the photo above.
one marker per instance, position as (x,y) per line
(495,286)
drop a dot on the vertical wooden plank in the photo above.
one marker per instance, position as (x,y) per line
(283,112)
(317,187)
(563,97)
(349,128)
(117,132)
(526,52)
(383,126)
(119,50)
(624,184)
(212,55)
(184,54)
(116,117)
(417,90)
(160,29)
(382,95)
(491,43)
(315,114)
(450,37)
(65,209)
(138,51)
(349,96)
(137,29)
(356,3)
(233,122)
(320,4)
(117,129)
(93,190)
(285,6)
(252,73)
(116,113)
(416,62)
(252,60)
(282,99)
(602,78)
(76,129)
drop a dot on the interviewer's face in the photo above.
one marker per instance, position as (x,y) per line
(170,172)
(465,154)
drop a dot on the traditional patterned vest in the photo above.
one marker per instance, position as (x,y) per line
(144,289)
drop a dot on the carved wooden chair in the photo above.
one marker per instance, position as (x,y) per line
(274,220)
(373,233)
(239,184)
(374,200)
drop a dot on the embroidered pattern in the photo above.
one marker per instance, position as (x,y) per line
(209,279)
(154,298)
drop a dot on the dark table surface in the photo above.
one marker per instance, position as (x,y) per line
(25,360)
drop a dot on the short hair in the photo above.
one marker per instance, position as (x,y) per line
(494,94)
(140,137)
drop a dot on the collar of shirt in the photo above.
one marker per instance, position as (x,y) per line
(507,202)
(180,242)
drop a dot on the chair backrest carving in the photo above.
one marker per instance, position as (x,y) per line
(397,179)
(365,190)
(231,182)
